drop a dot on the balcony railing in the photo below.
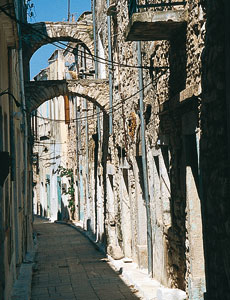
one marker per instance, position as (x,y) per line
(135,5)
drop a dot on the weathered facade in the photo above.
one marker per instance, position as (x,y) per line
(215,157)
(148,139)
(171,91)
(15,170)
(133,143)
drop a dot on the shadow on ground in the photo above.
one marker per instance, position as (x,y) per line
(68,267)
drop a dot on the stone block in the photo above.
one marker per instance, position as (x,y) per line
(152,26)
(170,294)
(115,252)
(142,256)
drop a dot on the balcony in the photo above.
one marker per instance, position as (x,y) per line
(151,20)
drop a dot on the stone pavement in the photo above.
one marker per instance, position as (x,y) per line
(68,267)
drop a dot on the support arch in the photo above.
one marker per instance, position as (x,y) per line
(39,34)
(95,91)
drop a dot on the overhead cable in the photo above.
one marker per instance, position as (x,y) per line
(100,59)
(119,103)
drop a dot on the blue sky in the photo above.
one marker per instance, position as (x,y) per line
(52,10)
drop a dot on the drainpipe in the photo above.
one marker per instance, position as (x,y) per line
(77,140)
(78,161)
(96,64)
(80,167)
(21,75)
(144,164)
(87,158)
(25,127)
(87,151)
(110,73)
(98,112)
(87,147)
(95,39)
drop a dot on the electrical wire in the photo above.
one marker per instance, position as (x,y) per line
(92,116)
(97,58)
(100,59)
(6,92)
(52,143)
(48,38)
(106,60)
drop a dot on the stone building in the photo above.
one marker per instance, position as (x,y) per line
(214,157)
(150,183)
(183,51)
(144,134)
(15,170)
(150,148)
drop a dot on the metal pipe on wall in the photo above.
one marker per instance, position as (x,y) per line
(25,123)
(21,76)
(77,138)
(96,64)
(110,73)
(77,158)
(13,156)
(95,39)
(97,109)
(87,146)
(87,158)
(144,164)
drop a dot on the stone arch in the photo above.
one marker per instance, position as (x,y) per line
(95,91)
(39,34)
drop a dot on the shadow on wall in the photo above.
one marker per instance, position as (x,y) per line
(180,127)
(63,213)
(171,130)
(105,143)
(100,236)
(178,63)
(43,212)
(214,157)
(96,141)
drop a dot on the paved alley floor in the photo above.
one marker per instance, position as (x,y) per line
(68,267)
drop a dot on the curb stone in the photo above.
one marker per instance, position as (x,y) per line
(22,286)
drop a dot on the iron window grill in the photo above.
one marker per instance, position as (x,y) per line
(135,5)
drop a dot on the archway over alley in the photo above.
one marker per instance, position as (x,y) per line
(95,91)
(39,34)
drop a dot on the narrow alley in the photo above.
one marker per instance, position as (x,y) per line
(114,135)
(69,267)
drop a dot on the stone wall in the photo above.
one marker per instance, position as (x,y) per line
(187,163)
(15,197)
(215,151)
(171,98)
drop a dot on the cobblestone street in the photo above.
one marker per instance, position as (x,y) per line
(69,267)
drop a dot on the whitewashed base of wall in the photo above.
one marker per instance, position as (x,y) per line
(148,288)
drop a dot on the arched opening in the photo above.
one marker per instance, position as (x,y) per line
(78,35)
(63,98)
(62,129)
